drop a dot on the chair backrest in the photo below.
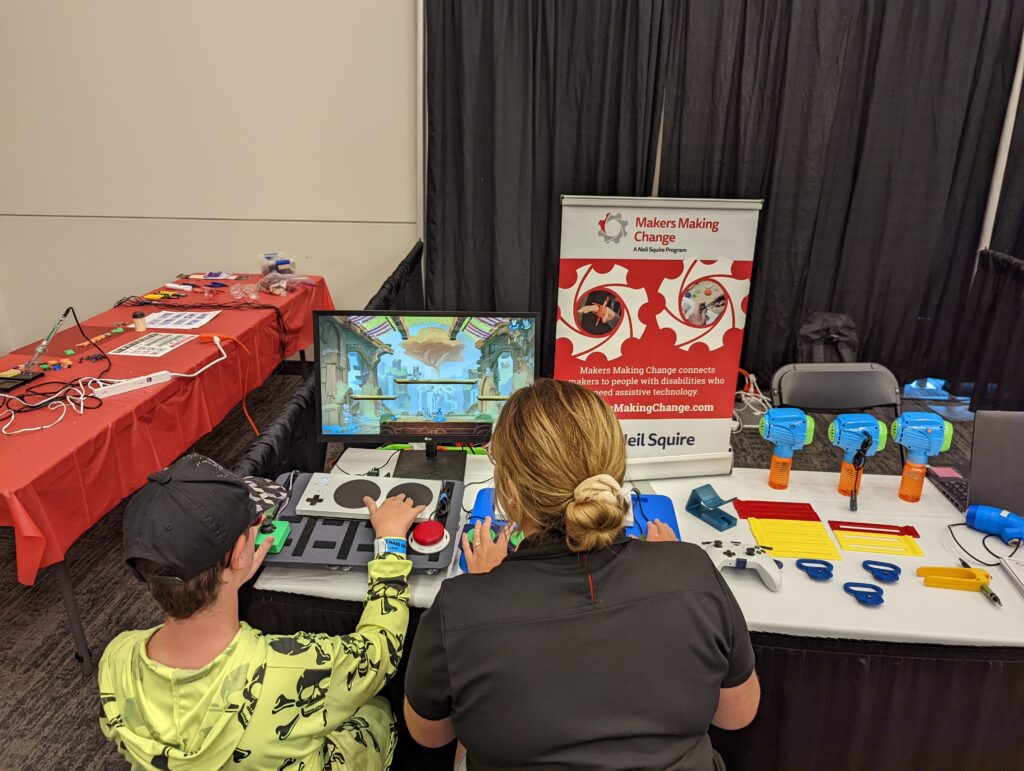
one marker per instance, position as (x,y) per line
(835,387)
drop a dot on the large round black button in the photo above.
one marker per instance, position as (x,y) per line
(350,495)
(420,494)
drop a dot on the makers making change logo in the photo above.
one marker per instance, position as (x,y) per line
(612,227)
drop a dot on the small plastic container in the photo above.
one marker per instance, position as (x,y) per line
(139,321)
(245,292)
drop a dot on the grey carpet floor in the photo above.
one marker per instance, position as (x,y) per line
(49,712)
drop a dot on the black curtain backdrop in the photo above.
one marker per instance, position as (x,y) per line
(403,289)
(528,100)
(1008,233)
(870,128)
(989,351)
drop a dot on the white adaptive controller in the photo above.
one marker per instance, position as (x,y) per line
(745,556)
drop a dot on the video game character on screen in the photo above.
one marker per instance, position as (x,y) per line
(405,375)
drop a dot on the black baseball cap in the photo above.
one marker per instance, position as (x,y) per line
(187,518)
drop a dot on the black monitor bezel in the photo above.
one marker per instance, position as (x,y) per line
(388,439)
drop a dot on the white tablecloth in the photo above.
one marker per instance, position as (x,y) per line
(911,612)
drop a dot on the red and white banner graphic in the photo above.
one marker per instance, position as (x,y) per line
(652,301)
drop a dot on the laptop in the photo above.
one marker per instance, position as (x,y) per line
(995,479)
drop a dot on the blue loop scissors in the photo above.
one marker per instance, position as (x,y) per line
(819,570)
(865,594)
(885,572)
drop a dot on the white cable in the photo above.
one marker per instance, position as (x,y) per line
(216,341)
(223,356)
(70,396)
(73,396)
(55,405)
(753,399)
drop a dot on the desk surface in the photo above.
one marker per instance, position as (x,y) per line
(55,484)
(911,613)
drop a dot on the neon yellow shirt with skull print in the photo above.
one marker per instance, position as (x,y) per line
(302,702)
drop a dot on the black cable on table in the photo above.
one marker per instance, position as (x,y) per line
(640,507)
(370,472)
(42,392)
(984,544)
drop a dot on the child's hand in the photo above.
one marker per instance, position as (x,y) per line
(394,517)
(261,554)
(483,555)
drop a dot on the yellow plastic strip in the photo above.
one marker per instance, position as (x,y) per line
(878,543)
(789,538)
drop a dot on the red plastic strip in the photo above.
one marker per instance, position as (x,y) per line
(776,510)
(872,527)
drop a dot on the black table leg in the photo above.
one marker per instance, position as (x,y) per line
(67,593)
(306,368)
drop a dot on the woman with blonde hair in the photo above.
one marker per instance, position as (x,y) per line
(583,648)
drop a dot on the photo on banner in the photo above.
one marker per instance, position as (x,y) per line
(652,303)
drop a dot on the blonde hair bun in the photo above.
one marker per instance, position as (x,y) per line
(596,514)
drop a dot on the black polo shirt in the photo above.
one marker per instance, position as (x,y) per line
(612,659)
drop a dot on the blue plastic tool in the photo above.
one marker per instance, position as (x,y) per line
(704,504)
(885,572)
(646,509)
(819,570)
(865,594)
(991,519)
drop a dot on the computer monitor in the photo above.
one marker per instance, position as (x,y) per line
(997,446)
(439,378)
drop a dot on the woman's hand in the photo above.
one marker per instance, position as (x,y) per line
(394,517)
(483,555)
(659,531)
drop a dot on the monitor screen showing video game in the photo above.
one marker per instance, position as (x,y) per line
(400,377)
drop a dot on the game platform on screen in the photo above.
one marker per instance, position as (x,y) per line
(403,376)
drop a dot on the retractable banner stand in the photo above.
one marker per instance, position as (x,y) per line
(652,301)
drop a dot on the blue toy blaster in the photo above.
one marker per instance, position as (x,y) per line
(923,434)
(860,436)
(788,429)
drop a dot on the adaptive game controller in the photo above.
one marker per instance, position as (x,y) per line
(338,535)
(484,506)
(497,525)
(745,556)
(278,529)
(342,496)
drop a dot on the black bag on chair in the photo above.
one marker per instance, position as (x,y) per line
(827,338)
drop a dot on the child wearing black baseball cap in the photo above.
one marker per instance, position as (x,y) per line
(204,690)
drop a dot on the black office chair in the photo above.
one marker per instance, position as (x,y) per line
(856,386)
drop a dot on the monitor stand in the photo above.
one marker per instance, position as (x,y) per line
(431,464)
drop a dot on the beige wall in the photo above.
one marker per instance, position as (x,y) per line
(142,139)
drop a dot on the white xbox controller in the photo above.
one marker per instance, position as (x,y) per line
(745,556)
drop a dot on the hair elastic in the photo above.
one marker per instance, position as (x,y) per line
(598,487)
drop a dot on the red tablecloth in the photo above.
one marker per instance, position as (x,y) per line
(55,484)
